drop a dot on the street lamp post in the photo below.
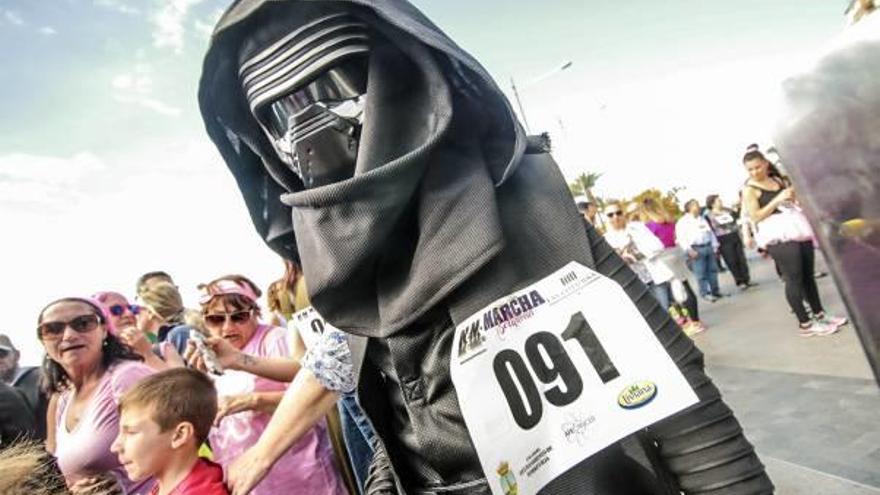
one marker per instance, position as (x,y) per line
(522,112)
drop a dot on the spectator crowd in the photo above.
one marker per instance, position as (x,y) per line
(148,396)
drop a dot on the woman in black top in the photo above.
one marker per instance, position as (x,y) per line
(765,194)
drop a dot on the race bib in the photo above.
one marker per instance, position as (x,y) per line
(724,219)
(557,371)
(310,325)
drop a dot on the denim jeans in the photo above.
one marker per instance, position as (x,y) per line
(706,270)
(663,294)
(360,439)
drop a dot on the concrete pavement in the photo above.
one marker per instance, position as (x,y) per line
(809,405)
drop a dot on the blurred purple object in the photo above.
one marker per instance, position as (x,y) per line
(829,140)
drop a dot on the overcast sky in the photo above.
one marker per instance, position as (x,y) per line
(106,172)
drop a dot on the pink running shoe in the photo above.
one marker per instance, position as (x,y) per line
(692,328)
(837,321)
(816,329)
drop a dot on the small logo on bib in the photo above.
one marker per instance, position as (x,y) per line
(507,479)
(637,395)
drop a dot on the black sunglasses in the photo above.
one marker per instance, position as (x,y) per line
(53,330)
(612,214)
(239,317)
(120,309)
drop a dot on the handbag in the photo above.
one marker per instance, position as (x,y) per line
(788,224)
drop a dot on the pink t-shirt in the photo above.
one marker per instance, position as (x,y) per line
(85,450)
(664,231)
(307,468)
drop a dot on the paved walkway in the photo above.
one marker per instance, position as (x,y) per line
(810,405)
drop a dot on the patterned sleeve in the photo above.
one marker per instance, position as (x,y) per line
(329,359)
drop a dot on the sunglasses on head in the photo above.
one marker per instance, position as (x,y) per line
(612,214)
(53,330)
(120,309)
(217,320)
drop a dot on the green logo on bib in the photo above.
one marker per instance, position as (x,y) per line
(507,479)
(637,395)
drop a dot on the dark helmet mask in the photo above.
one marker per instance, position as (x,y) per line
(307,90)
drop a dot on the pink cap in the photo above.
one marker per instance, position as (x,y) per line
(101,298)
(226,287)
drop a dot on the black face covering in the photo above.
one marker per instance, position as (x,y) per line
(307,91)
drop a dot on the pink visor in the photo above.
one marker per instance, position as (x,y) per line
(226,287)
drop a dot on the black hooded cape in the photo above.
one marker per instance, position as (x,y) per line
(448,210)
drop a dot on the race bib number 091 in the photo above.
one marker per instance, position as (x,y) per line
(554,373)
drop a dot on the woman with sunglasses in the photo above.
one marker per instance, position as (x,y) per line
(638,247)
(247,401)
(89,368)
(127,324)
(122,313)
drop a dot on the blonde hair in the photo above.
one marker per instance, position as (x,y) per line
(28,468)
(164,299)
(195,319)
(653,211)
(274,294)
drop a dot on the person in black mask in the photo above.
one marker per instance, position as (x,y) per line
(385,160)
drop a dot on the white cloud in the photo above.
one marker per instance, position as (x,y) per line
(136,87)
(206,27)
(34,181)
(687,128)
(47,169)
(13,18)
(203,28)
(168,205)
(169,23)
(159,107)
(47,30)
(118,6)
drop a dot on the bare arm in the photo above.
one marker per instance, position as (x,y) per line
(51,412)
(256,401)
(756,212)
(137,340)
(280,369)
(274,368)
(303,405)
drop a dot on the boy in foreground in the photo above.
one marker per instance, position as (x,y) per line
(162,422)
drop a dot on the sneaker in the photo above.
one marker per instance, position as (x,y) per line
(692,328)
(816,329)
(836,321)
(710,298)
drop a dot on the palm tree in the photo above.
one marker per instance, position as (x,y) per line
(584,184)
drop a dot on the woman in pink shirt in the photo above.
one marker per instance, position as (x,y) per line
(247,401)
(661,222)
(90,369)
